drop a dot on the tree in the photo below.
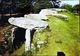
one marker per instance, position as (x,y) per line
(8,6)
(68,7)
(25,6)
(41,4)
(56,3)
(76,8)
(15,6)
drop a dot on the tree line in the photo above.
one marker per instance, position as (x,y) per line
(26,6)
(32,6)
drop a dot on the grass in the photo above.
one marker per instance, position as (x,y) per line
(62,36)
(19,52)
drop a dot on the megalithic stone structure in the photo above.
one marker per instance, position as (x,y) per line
(36,16)
(28,24)
(61,15)
(53,12)
(27,37)
(47,12)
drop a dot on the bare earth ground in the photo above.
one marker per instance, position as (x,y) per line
(3,29)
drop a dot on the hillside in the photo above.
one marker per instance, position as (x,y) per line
(61,36)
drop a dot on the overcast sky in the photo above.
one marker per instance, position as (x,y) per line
(71,2)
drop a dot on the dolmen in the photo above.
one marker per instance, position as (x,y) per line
(36,16)
(53,12)
(61,15)
(44,13)
(59,9)
(47,12)
(28,24)
(34,21)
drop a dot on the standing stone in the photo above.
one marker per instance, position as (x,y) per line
(27,42)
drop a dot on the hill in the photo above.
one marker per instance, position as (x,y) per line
(61,36)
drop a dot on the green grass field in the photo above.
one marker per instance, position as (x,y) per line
(62,36)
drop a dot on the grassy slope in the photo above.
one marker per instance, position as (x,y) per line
(62,37)
(19,52)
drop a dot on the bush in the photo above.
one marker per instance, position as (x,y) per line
(42,5)
(67,6)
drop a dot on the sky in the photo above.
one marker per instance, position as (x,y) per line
(71,2)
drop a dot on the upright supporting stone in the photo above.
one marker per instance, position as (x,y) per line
(27,42)
(12,34)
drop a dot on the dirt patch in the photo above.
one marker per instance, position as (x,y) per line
(2,33)
(3,30)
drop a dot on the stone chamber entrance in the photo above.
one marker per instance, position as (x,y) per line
(19,39)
